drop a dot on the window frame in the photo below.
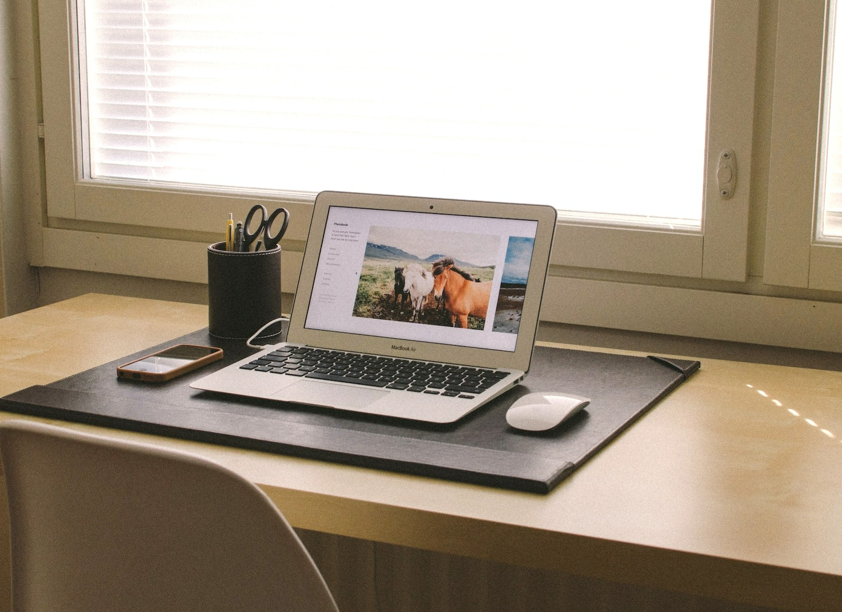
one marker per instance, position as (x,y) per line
(794,257)
(76,206)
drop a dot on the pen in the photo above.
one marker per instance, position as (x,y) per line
(229,233)
(238,237)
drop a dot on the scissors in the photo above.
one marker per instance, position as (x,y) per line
(270,240)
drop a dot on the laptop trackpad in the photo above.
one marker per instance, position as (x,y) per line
(327,394)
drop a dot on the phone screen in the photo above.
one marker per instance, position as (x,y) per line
(170,359)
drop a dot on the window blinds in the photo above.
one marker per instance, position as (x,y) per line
(829,217)
(566,105)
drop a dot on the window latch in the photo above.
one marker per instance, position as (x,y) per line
(726,173)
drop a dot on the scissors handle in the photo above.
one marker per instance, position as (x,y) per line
(271,240)
(249,235)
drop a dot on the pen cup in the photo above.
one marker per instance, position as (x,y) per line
(244,292)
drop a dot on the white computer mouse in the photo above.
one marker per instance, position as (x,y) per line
(543,411)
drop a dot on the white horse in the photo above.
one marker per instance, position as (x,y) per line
(419,282)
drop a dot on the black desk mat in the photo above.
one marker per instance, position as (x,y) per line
(480,448)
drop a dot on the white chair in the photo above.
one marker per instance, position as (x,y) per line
(103,524)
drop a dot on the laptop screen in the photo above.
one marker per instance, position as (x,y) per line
(418,276)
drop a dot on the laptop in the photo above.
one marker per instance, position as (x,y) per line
(414,308)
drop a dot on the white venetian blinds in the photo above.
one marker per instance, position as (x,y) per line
(596,107)
(829,217)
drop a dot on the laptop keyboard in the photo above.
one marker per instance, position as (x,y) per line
(373,371)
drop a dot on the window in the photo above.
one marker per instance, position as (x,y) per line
(458,99)
(754,268)
(829,217)
(715,248)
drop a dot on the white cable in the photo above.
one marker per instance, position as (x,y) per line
(257,333)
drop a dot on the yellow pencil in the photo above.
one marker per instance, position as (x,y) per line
(229,233)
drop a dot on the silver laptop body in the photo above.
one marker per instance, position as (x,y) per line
(415,308)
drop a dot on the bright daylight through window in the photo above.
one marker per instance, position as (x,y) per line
(596,108)
(829,218)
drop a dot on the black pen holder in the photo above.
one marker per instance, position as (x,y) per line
(244,292)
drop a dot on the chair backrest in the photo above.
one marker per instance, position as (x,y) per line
(103,524)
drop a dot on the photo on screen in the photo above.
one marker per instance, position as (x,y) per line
(513,287)
(427,277)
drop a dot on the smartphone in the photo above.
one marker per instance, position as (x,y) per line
(169,363)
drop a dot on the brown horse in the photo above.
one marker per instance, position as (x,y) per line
(462,294)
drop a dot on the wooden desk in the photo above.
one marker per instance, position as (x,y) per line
(729,489)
